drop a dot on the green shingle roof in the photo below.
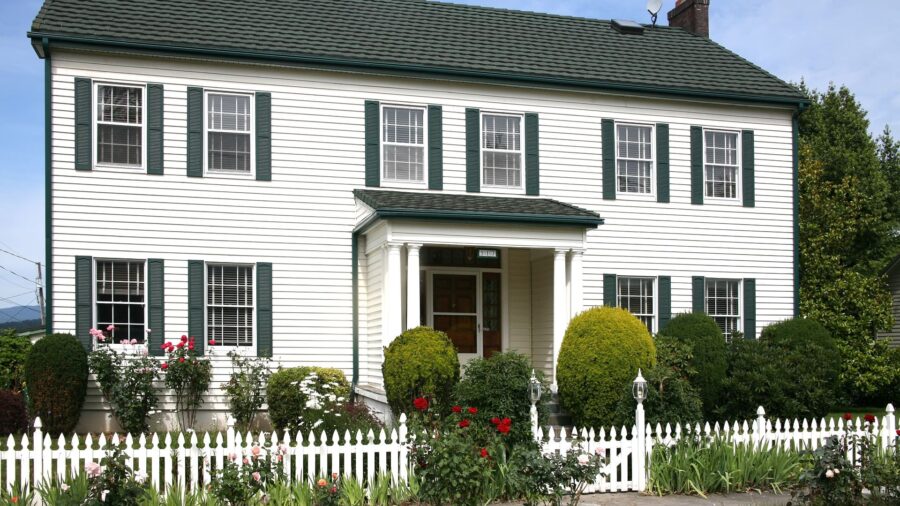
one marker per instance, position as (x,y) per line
(420,35)
(470,207)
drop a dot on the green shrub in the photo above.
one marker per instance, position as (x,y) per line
(13,417)
(290,394)
(420,362)
(708,349)
(56,374)
(601,352)
(13,352)
(499,387)
(671,398)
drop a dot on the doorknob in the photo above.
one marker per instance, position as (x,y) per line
(479,328)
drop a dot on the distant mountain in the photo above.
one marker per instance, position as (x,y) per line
(19,313)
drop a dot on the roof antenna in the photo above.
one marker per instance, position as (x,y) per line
(653,7)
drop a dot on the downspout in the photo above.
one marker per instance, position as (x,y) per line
(48,188)
(354,256)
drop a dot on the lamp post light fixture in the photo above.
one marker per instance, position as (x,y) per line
(639,388)
(639,391)
(534,395)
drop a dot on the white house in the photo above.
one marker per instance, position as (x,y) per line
(306,179)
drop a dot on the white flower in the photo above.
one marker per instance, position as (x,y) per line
(584,459)
(312,404)
(103,495)
(140,476)
(64,487)
(837,472)
(319,422)
(829,474)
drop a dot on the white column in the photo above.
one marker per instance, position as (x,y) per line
(560,306)
(391,315)
(412,285)
(576,299)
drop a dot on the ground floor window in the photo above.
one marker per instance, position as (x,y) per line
(229,304)
(723,304)
(120,299)
(636,296)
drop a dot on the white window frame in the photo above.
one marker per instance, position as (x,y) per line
(740,302)
(653,147)
(654,284)
(521,151)
(251,132)
(95,125)
(249,350)
(382,142)
(123,348)
(737,199)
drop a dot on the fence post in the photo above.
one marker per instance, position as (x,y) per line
(229,436)
(759,427)
(889,426)
(404,450)
(640,449)
(38,453)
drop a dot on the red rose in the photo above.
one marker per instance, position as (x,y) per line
(870,418)
(180,345)
(463,424)
(484,453)
(848,416)
(420,403)
(898,432)
(212,342)
(164,366)
(183,339)
(495,421)
(191,346)
(181,360)
(163,346)
(506,421)
(456,409)
(473,410)
(503,428)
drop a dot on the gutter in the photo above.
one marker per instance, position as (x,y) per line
(426,70)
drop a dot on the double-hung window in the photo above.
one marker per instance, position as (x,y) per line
(501,150)
(230,304)
(120,125)
(634,159)
(403,144)
(229,133)
(723,304)
(120,299)
(636,296)
(721,166)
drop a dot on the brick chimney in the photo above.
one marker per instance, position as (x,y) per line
(692,15)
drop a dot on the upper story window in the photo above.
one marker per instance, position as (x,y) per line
(721,164)
(403,144)
(120,125)
(230,304)
(501,150)
(636,296)
(634,158)
(229,133)
(120,299)
(723,299)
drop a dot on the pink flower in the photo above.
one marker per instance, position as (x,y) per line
(246,460)
(232,456)
(255,451)
(134,341)
(256,476)
(92,469)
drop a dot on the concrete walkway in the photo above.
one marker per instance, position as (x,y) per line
(635,499)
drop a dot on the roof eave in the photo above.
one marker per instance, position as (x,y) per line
(495,217)
(367,65)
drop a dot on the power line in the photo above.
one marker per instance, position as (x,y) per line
(19,275)
(17,255)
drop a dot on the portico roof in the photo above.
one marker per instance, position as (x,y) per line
(473,207)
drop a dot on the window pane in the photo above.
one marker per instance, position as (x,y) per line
(634,158)
(120,299)
(501,142)
(502,169)
(723,304)
(228,112)
(230,304)
(229,152)
(636,296)
(119,104)
(721,170)
(403,134)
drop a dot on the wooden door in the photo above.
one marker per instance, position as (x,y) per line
(455,310)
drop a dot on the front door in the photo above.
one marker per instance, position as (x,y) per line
(455,310)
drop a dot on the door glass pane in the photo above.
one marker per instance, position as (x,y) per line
(454,303)
(460,329)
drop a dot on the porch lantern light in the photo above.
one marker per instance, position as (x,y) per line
(639,388)
(534,388)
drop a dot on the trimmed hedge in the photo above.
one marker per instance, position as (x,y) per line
(708,350)
(13,417)
(287,402)
(420,362)
(601,353)
(56,373)
(14,350)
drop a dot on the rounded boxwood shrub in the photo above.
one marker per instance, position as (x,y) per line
(13,418)
(601,352)
(287,400)
(708,349)
(56,374)
(420,362)
(499,387)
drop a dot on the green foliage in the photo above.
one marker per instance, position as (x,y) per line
(188,375)
(671,398)
(702,465)
(113,482)
(246,388)
(72,491)
(708,350)
(420,362)
(13,416)
(792,371)
(56,372)
(126,382)
(314,398)
(499,386)
(235,485)
(550,479)
(13,352)
(601,352)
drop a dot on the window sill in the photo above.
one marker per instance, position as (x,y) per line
(109,166)
(229,175)
(736,201)
(396,183)
(503,189)
(639,197)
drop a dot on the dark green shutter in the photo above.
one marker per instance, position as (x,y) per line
(665,301)
(473,151)
(696,165)
(373,150)
(698,294)
(156,321)
(155,112)
(748,169)
(750,308)
(435,147)
(662,162)
(263,309)
(608,130)
(263,136)
(84,300)
(195,132)
(196,303)
(532,155)
(609,290)
(83,126)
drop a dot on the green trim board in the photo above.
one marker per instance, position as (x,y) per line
(354,269)
(48,189)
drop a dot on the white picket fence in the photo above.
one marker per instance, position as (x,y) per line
(191,459)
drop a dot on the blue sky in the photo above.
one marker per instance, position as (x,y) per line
(822,41)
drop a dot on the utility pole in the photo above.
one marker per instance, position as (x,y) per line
(40,293)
